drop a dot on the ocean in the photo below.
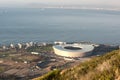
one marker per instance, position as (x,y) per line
(47,25)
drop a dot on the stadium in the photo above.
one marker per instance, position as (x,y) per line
(73,50)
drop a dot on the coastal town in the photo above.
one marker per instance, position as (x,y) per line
(23,61)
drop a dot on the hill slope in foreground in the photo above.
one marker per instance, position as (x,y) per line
(105,67)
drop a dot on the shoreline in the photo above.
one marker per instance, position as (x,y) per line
(41,43)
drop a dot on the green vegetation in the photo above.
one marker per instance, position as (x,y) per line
(53,75)
(6,53)
(105,67)
(47,48)
(1,69)
(22,55)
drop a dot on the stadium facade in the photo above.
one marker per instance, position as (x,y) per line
(73,50)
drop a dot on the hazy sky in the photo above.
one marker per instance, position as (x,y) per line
(109,3)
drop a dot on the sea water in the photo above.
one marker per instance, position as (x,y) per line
(44,25)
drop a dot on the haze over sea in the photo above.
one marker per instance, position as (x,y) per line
(44,25)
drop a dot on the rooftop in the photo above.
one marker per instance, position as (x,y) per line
(75,47)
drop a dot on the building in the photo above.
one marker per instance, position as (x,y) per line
(59,42)
(36,53)
(12,46)
(73,50)
(19,45)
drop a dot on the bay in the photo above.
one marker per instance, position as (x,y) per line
(44,25)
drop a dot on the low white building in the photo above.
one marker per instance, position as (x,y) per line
(4,47)
(69,59)
(35,53)
(59,42)
(41,44)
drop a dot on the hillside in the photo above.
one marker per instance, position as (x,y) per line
(105,67)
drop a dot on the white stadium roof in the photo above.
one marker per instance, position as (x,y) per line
(81,51)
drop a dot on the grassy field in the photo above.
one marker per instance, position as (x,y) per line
(42,49)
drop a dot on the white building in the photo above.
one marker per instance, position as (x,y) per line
(73,50)
(19,45)
(12,46)
(41,44)
(59,42)
(31,43)
(4,47)
(27,45)
(35,53)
